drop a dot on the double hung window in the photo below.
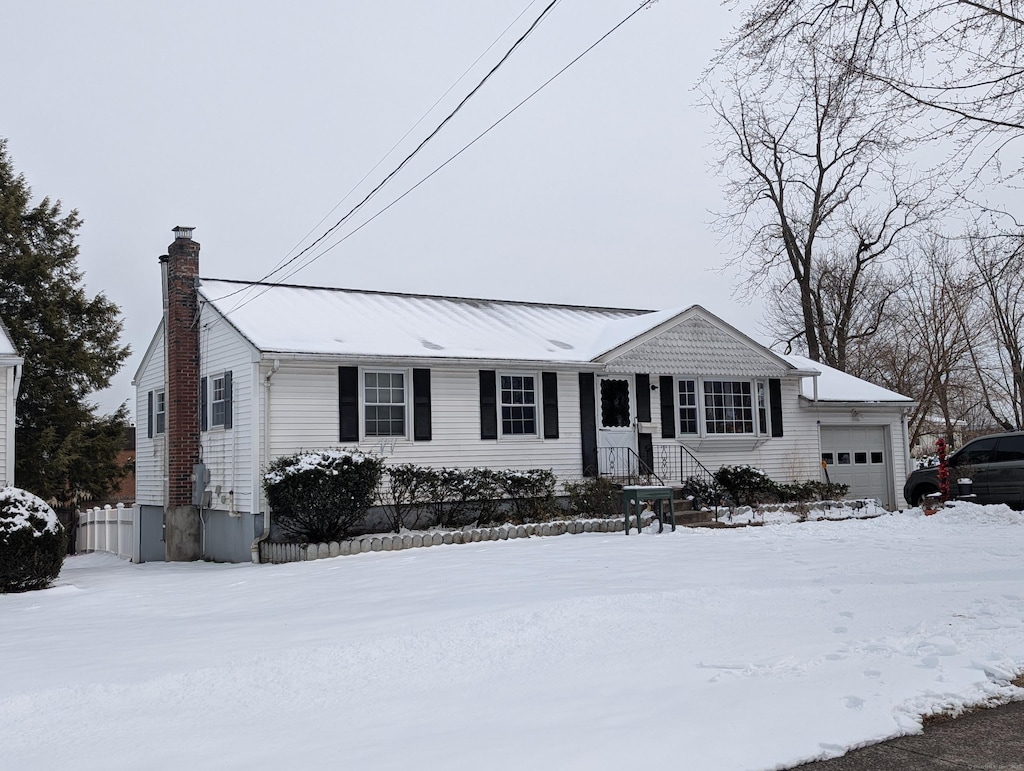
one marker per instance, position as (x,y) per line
(160,411)
(384,398)
(219,403)
(518,404)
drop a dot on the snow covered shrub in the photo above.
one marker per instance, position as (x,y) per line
(32,542)
(531,494)
(811,490)
(322,495)
(594,497)
(746,485)
(701,491)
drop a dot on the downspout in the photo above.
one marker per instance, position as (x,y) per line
(266,456)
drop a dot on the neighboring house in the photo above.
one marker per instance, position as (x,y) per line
(10,381)
(239,374)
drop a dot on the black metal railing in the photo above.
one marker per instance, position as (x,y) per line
(623,466)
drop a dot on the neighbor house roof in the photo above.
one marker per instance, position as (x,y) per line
(837,386)
(318,320)
(7,348)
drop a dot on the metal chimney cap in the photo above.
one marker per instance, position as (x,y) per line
(183,231)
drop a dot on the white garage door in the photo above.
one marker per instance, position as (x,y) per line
(858,456)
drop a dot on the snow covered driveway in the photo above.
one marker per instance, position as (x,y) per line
(755,648)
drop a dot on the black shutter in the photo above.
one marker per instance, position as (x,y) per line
(203,409)
(588,424)
(643,398)
(549,384)
(149,415)
(421,423)
(775,402)
(666,385)
(645,449)
(488,405)
(348,404)
(227,400)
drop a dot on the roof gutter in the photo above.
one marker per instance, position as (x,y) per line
(361,358)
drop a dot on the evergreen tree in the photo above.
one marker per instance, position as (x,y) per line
(70,342)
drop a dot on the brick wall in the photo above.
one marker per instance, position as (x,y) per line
(182,369)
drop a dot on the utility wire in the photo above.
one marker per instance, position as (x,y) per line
(265,287)
(405,135)
(416,150)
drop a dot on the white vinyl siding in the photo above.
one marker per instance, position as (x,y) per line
(304,415)
(227,452)
(150,453)
(792,456)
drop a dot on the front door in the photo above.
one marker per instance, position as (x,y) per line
(616,429)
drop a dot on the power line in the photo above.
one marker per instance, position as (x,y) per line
(416,150)
(405,135)
(267,287)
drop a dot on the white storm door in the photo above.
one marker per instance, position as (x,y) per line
(616,429)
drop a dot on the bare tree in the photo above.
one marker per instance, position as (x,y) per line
(924,349)
(999,271)
(818,200)
(960,61)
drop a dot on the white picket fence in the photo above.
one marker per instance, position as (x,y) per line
(111,529)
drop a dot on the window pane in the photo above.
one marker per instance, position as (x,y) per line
(844,459)
(728,407)
(877,457)
(1011,448)
(860,457)
(827,457)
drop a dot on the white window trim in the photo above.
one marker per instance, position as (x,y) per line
(407,404)
(538,400)
(702,431)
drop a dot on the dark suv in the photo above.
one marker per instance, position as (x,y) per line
(994,463)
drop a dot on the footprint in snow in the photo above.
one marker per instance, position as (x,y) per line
(839,630)
(872,673)
(846,614)
(853,702)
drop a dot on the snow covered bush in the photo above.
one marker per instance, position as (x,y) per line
(594,497)
(322,495)
(32,542)
(746,485)
(530,493)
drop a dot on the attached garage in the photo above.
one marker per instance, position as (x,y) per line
(859,456)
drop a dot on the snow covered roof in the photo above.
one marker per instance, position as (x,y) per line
(318,320)
(837,386)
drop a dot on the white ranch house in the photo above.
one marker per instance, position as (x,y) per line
(452,381)
(10,381)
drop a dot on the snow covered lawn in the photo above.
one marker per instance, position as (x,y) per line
(753,648)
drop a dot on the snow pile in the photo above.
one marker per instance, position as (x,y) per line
(711,649)
(21,509)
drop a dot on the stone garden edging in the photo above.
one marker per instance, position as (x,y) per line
(277,553)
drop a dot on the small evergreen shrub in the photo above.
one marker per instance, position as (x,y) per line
(701,491)
(594,497)
(746,485)
(811,490)
(530,494)
(32,542)
(323,495)
(403,495)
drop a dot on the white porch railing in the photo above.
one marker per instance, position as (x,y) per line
(111,529)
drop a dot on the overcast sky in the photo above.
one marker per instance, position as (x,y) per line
(251,121)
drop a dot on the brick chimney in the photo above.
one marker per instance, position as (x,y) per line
(180,268)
